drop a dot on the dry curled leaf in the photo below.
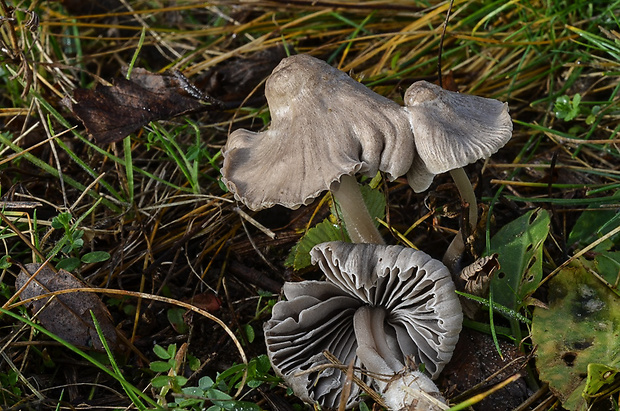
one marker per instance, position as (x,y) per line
(477,276)
(66,315)
(475,279)
(111,113)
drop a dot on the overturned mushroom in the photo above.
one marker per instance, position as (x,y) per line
(379,306)
(452,130)
(325,128)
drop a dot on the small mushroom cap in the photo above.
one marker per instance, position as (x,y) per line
(324,125)
(452,130)
(423,315)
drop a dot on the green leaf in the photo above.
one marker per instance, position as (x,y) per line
(249,332)
(519,248)
(160,381)
(230,376)
(68,264)
(187,403)
(160,366)
(263,366)
(161,352)
(205,383)
(194,363)
(172,350)
(175,317)
(607,266)
(193,391)
(5,263)
(580,328)
(320,233)
(62,220)
(593,224)
(599,376)
(219,398)
(95,257)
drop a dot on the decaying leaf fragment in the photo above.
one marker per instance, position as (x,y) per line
(475,279)
(110,113)
(580,328)
(67,315)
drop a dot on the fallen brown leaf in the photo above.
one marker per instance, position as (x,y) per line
(67,315)
(111,113)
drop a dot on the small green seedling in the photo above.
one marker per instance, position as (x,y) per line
(72,242)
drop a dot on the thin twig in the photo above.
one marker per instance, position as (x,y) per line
(443,34)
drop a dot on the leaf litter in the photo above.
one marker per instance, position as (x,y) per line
(111,113)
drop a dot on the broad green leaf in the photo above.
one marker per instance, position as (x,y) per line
(580,328)
(204,383)
(593,224)
(519,248)
(219,398)
(263,366)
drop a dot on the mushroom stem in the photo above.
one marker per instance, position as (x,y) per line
(454,253)
(401,388)
(360,226)
(370,335)
(467,194)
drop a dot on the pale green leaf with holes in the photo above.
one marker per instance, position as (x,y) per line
(578,338)
(519,246)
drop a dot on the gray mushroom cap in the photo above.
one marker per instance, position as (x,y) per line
(452,130)
(324,125)
(422,316)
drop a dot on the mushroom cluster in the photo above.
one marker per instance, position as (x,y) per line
(381,308)
(379,305)
(326,128)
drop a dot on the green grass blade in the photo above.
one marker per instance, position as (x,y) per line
(117,371)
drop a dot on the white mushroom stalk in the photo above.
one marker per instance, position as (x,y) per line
(379,305)
(452,130)
(357,220)
(400,387)
(325,129)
